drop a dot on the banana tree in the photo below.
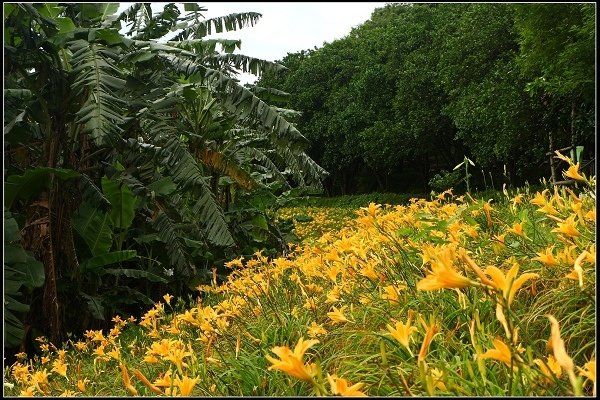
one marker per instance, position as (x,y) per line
(81,98)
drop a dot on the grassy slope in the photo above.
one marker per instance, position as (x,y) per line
(355,289)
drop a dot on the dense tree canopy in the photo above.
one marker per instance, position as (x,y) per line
(417,87)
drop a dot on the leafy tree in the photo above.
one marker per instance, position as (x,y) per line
(116,145)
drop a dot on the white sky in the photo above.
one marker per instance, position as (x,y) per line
(287,27)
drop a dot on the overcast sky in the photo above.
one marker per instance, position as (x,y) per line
(288,27)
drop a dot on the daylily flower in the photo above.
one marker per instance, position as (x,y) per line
(517,229)
(81,384)
(431,331)
(168,298)
(402,332)
(558,346)
(291,362)
(573,173)
(589,371)
(550,368)
(546,257)
(443,274)
(185,385)
(500,352)
(60,368)
(540,198)
(568,227)
(340,386)
(338,316)
(507,284)
(315,329)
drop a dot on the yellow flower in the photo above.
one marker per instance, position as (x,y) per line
(560,156)
(81,384)
(81,346)
(507,284)
(337,316)
(517,229)
(500,352)
(573,173)
(315,329)
(546,257)
(20,372)
(168,298)
(164,380)
(340,386)
(558,346)
(186,385)
(402,331)
(437,378)
(431,331)
(291,362)
(60,367)
(443,274)
(539,199)
(589,371)
(176,356)
(517,199)
(391,293)
(28,392)
(132,390)
(146,382)
(547,208)
(591,215)
(487,209)
(568,227)
(550,368)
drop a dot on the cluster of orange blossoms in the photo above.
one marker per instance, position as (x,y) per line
(357,284)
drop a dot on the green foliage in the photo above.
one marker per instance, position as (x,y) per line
(444,180)
(417,87)
(22,273)
(121,136)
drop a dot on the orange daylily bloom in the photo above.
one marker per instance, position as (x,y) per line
(517,229)
(432,330)
(340,386)
(550,368)
(573,173)
(185,385)
(547,208)
(402,331)
(443,274)
(568,227)
(546,257)
(589,371)
(540,198)
(507,284)
(558,346)
(500,352)
(291,362)
(338,315)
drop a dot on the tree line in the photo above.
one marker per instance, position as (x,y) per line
(400,101)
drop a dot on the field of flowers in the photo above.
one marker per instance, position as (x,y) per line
(451,296)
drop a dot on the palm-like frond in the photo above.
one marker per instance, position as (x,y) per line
(229,22)
(96,80)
